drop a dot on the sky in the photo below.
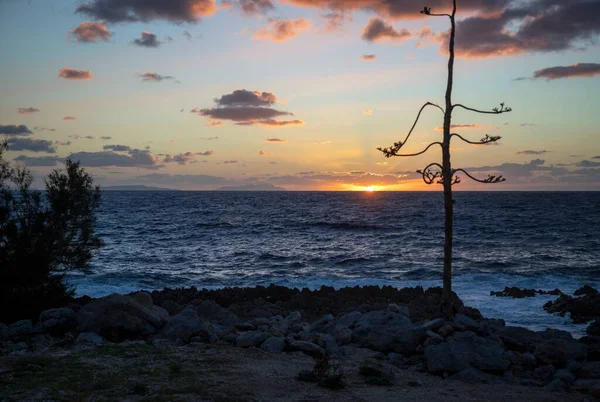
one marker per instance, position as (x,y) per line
(299,94)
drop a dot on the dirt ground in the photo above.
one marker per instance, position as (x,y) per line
(200,372)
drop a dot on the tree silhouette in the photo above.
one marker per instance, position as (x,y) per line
(444,173)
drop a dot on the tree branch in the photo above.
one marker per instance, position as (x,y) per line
(485,140)
(502,109)
(393,150)
(420,153)
(491,179)
(427,11)
(429,176)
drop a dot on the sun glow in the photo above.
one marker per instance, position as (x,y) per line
(369,188)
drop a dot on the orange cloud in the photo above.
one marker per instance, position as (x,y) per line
(368,57)
(453,126)
(88,32)
(282,30)
(263,153)
(368,112)
(28,110)
(69,118)
(275,140)
(72,74)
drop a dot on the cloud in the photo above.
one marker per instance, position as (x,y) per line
(252,7)
(263,153)
(247,108)
(88,32)
(72,74)
(215,123)
(69,118)
(182,158)
(39,160)
(275,140)
(154,77)
(117,148)
(575,70)
(588,164)
(147,39)
(282,30)
(532,152)
(177,11)
(30,144)
(28,110)
(43,128)
(209,138)
(533,26)
(527,125)
(453,126)
(12,129)
(243,97)
(378,30)
(63,143)
(106,138)
(134,158)
(230,162)
(178,179)
(596,157)
(206,153)
(368,112)
(368,57)
(187,35)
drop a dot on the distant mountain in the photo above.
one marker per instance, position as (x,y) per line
(135,188)
(252,187)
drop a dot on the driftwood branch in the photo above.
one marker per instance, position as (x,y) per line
(423,151)
(496,110)
(388,152)
(485,140)
(430,175)
(491,179)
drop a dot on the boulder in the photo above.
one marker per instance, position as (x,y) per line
(119,317)
(594,390)
(519,339)
(307,347)
(551,333)
(491,326)
(466,351)
(57,321)
(594,328)
(144,298)
(584,385)
(581,309)
(373,319)
(273,345)
(211,311)
(399,309)
(589,370)
(514,292)
(559,352)
(252,338)
(184,326)
(323,324)
(349,319)
(295,317)
(89,338)
(404,340)
(557,385)
(545,373)
(20,330)
(328,343)
(467,323)
(434,324)
(565,376)
(474,376)
(446,330)
(342,334)
(245,326)
(173,308)
(3,332)
(586,290)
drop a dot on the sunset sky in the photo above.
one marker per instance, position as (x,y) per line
(200,94)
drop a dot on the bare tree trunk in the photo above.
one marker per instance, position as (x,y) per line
(447,306)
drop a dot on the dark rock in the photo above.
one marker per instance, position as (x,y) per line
(20,330)
(253,338)
(474,376)
(464,352)
(343,334)
(184,326)
(399,309)
(581,309)
(320,325)
(557,385)
(514,292)
(57,321)
(529,361)
(119,317)
(273,345)
(350,319)
(3,332)
(89,338)
(211,311)
(545,374)
(307,347)
(551,333)
(559,352)
(173,308)
(589,370)
(434,325)
(328,343)
(245,326)
(396,339)
(565,376)
(594,328)
(466,322)
(144,298)
(446,330)
(593,344)
(584,385)
(586,290)
(519,339)
(491,326)
(594,390)
(513,357)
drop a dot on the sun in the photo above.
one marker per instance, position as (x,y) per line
(369,188)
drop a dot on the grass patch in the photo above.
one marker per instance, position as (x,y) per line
(324,373)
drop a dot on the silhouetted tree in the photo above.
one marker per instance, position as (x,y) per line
(444,173)
(43,234)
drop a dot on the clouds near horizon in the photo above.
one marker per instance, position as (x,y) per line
(89,32)
(282,30)
(12,129)
(76,75)
(177,11)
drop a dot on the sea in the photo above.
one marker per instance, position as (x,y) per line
(210,239)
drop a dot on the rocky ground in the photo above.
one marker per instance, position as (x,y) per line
(252,344)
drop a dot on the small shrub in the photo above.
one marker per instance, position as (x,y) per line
(324,373)
(375,374)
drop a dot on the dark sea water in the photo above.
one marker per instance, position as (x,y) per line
(308,239)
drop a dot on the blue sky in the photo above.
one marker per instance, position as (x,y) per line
(343,106)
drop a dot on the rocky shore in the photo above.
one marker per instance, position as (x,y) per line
(399,328)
